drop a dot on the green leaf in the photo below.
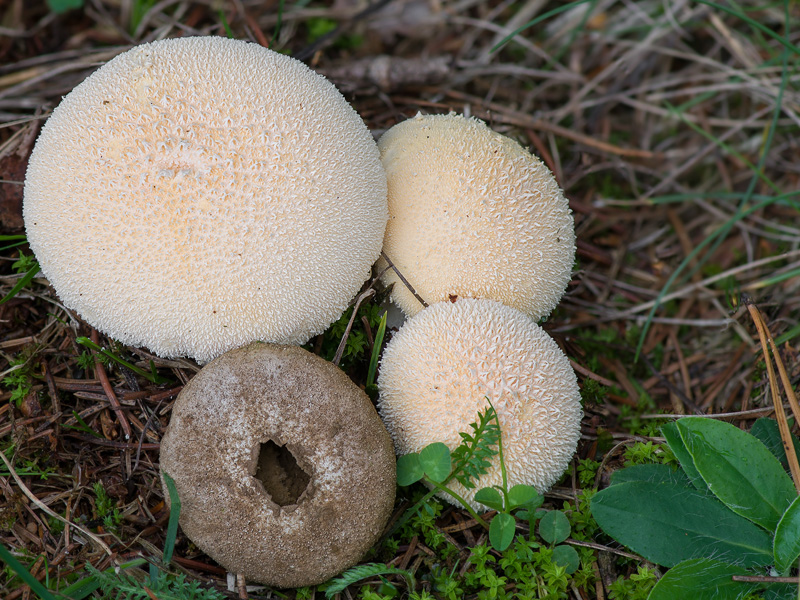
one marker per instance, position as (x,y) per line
(738,469)
(23,281)
(501,531)
(786,544)
(409,470)
(376,350)
(566,556)
(473,456)
(24,574)
(174,515)
(767,432)
(151,376)
(62,6)
(366,571)
(668,523)
(701,579)
(435,461)
(524,495)
(780,591)
(675,443)
(654,473)
(490,497)
(554,527)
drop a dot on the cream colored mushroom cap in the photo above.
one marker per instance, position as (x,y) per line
(438,370)
(195,194)
(473,214)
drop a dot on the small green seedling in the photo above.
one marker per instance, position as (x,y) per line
(436,465)
(730,510)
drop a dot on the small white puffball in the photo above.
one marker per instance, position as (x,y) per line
(196,194)
(473,214)
(438,370)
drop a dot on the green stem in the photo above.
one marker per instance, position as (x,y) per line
(504,474)
(461,500)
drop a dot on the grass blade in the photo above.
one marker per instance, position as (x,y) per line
(174,514)
(24,280)
(539,19)
(150,376)
(23,574)
(376,350)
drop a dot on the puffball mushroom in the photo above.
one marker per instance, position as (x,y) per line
(196,194)
(473,214)
(438,370)
(284,470)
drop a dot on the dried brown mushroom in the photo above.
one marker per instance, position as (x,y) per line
(284,470)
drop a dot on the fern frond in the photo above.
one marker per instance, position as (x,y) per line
(366,571)
(125,586)
(473,457)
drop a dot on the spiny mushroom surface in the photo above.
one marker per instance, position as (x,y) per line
(473,214)
(284,470)
(196,194)
(438,370)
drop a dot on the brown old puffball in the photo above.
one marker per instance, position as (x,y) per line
(196,194)
(284,470)
(438,370)
(473,214)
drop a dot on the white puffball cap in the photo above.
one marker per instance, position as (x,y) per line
(473,214)
(438,370)
(196,194)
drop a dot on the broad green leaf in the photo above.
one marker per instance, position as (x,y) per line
(702,579)
(668,523)
(490,497)
(780,591)
(524,495)
(738,469)
(566,556)
(554,527)
(435,461)
(786,544)
(675,443)
(408,469)
(653,473)
(768,433)
(501,531)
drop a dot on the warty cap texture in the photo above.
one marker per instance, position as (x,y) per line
(473,214)
(438,370)
(196,194)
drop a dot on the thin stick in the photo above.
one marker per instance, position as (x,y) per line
(340,350)
(404,280)
(241,586)
(109,391)
(780,414)
(787,384)
(47,509)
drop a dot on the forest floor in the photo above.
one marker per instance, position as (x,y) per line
(672,129)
